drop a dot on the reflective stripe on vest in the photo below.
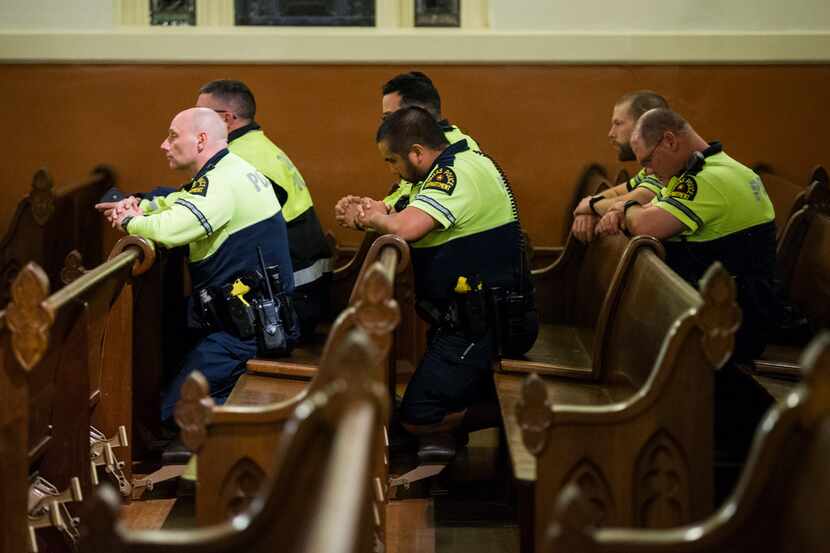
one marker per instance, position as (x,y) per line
(312,272)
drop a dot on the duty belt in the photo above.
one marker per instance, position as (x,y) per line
(312,272)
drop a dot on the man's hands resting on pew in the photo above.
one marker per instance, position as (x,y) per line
(348,209)
(116,212)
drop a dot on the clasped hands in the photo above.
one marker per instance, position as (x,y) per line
(116,212)
(587,225)
(357,213)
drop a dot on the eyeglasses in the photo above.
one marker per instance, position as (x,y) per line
(647,160)
(225,111)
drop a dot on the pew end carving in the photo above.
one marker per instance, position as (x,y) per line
(628,440)
(779,504)
(320,496)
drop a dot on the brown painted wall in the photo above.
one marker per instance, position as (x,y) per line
(542,122)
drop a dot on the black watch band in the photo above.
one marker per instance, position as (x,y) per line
(593,200)
(630,203)
(126,221)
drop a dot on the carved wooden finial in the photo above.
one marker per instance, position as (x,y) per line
(28,320)
(719,317)
(148,252)
(816,367)
(819,174)
(73,267)
(42,197)
(818,194)
(193,411)
(100,519)
(534,414)
(622,176)
(375,309)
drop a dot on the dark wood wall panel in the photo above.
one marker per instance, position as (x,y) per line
(542,122)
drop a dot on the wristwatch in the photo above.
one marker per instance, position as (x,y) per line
(630,203)
(593,200)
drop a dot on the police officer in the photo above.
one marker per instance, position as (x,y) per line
(711,209)
(222,215)
(460,222)
(407,89)
(310,252)
(641,187)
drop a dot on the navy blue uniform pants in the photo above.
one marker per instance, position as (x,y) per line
(221,357)
(454,374)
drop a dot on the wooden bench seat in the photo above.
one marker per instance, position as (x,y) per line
(323,494)
(235,441)
(570,300)
(660,343)
(779,505)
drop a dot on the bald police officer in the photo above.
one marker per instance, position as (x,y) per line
(226,210)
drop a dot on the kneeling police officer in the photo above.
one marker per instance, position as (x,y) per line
(238,256)
(472,280)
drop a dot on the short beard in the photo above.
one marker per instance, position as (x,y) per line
(626,153)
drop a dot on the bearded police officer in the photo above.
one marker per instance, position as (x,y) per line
(463,227)
(404,90)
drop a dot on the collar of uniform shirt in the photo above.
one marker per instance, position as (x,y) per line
(211,163)
(715,147)
(447,156)
(445,125)
(236,133)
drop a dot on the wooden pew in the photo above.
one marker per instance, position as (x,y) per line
(566,341)
(49,222)
(324,494)
(234,442)
(62,362)
(803,271)
(647,421)
(780,504)
(571,297)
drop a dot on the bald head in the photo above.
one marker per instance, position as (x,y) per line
(195,135)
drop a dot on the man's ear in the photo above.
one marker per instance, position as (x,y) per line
(201,141)
(416,154)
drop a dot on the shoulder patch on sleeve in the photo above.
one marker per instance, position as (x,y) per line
(199,186)
(443,179)
(685,189)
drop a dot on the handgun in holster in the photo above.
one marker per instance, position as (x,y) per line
(239,310)
(471,302)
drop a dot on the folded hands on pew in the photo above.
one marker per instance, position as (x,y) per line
(353,211)
(613,221)
(586,225)
(116,212)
